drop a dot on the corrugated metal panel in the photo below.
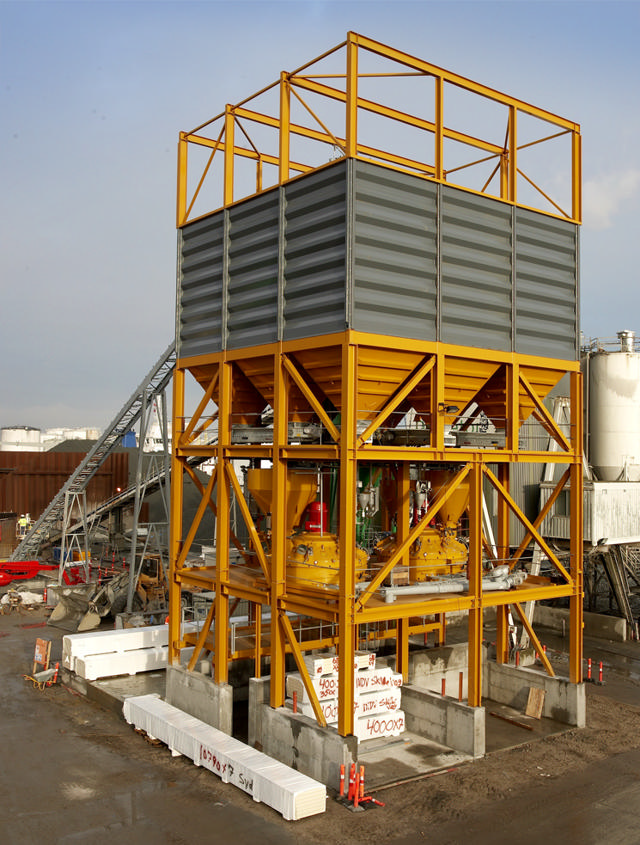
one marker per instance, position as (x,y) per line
(524,486)
(546,286)
(557,525)
(611,513)
(394,254)
(30,480)
(200,294)
(386,233)
(252,304)
(476,257)
(315,291)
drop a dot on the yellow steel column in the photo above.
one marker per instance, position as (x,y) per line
(442,633)
(502,625)
(439,122)
(285,136)
(576,528)
(513,153)
(223,526)
(258,629)
(346,598)
(512,379)
(437,402)
(181,202)
(403,517)
(504,176)
(402,648)
(502,633)
(475,585)
(403,526)
(175,524)
(503,514)
(576,174)
(229,153)
(278,530)
(351,147)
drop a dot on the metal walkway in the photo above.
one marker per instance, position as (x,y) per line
(154,383)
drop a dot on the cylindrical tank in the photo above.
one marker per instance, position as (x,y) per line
(317,518)
(20,438)
(613,394)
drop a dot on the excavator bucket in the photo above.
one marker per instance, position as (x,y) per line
(72,606)
(89,622)
(83,608)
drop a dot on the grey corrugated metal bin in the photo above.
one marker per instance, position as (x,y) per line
(360,246)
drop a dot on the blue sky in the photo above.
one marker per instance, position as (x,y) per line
(93,95)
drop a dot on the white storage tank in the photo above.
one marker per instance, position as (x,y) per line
(20,438)
(612,400)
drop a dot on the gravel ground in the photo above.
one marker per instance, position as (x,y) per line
(74,772)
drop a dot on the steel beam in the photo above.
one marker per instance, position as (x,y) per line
(221,601)
(175,520)
(348,503)
(474,681)
(279,529)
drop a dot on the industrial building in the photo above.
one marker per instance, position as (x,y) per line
(373,327)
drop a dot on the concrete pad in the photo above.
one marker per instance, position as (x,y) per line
(406,757)
(122,688)
(112,692)
(501,734)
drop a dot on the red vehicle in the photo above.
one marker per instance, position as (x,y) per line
(20,571)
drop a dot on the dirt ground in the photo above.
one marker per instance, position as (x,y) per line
(74,772)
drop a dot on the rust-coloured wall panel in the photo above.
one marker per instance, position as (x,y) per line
(29,480)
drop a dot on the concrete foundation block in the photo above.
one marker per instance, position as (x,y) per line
(595,624)
(444,721)
(258,697)
(297,740)
(201,697)
(564,701)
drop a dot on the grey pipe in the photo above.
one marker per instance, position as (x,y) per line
(460,585)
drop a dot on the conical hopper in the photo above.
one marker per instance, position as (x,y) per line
(492,399)
(456,502)
(464,378)
(301,491)
(380,372)
(455,505)
(258,373)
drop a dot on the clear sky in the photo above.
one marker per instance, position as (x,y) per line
(93,95)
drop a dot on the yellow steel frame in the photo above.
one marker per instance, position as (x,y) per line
(432,367)
(445,376)
(218,135)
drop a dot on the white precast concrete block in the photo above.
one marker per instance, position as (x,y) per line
(324,665)
(380,701)
(95,666)
(326,686)
(76,646)
(327,664)
(379,725)
(371,680)
(291,793)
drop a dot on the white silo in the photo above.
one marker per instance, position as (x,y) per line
(612,400)
(20,438)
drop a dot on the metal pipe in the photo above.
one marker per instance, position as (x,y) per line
(490,583)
